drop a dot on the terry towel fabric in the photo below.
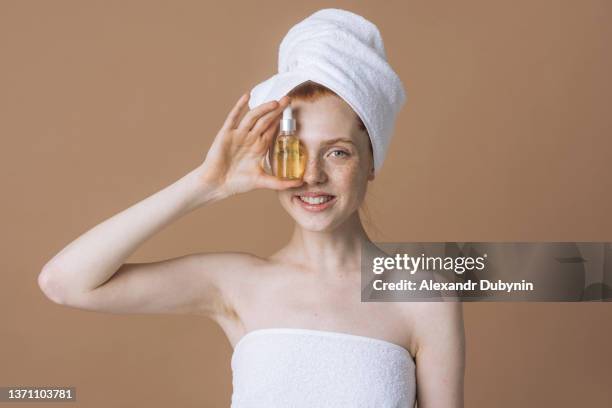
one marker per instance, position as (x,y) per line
(299,368)
(344,52)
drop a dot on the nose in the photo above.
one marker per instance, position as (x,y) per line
(314,173)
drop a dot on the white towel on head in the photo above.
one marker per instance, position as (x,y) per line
(344,52)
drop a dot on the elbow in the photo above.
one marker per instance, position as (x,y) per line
(51,287)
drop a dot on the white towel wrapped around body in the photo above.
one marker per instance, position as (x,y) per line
(344,52)
(303,368)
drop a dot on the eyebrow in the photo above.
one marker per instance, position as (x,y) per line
(340,139)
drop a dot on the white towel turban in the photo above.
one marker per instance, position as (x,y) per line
(345,53)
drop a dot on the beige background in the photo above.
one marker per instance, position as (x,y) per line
(505,136)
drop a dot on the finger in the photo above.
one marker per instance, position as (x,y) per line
(266,121)
(251,117)
(275,183)
(268,136)
(232,119)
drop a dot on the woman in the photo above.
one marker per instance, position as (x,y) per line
(300,333)
(313,282)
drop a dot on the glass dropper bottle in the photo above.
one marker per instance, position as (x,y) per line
(289,153)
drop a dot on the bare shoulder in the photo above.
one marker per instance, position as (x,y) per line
(225,261)
(237,274)
(433,322)
(239,279)
(233,267)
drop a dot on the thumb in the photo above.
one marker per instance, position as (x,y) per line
(274,183)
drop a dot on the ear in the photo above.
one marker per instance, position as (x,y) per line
(371,174)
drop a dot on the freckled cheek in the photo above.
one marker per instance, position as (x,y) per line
(347,176)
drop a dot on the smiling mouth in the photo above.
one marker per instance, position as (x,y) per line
(315,200)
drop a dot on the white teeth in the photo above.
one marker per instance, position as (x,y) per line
(315,200)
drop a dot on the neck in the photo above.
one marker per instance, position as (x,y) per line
(334,253)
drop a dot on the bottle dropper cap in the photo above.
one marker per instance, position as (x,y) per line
(287,123)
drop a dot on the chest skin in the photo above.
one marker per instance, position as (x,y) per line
(269,295)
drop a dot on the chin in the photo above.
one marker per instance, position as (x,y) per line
(314,225)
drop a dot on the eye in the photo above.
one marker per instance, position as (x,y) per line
(339,153)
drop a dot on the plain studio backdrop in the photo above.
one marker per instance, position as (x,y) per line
(505,137)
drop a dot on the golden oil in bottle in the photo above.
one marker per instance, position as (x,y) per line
(290,157)
(289,153)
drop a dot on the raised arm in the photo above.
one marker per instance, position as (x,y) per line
(91,272)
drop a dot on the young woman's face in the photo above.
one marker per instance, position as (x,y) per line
(338,168)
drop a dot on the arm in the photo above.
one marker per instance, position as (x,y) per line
(91,272)
(92,259)
(440,356)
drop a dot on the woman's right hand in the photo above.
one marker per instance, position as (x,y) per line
(233,162)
